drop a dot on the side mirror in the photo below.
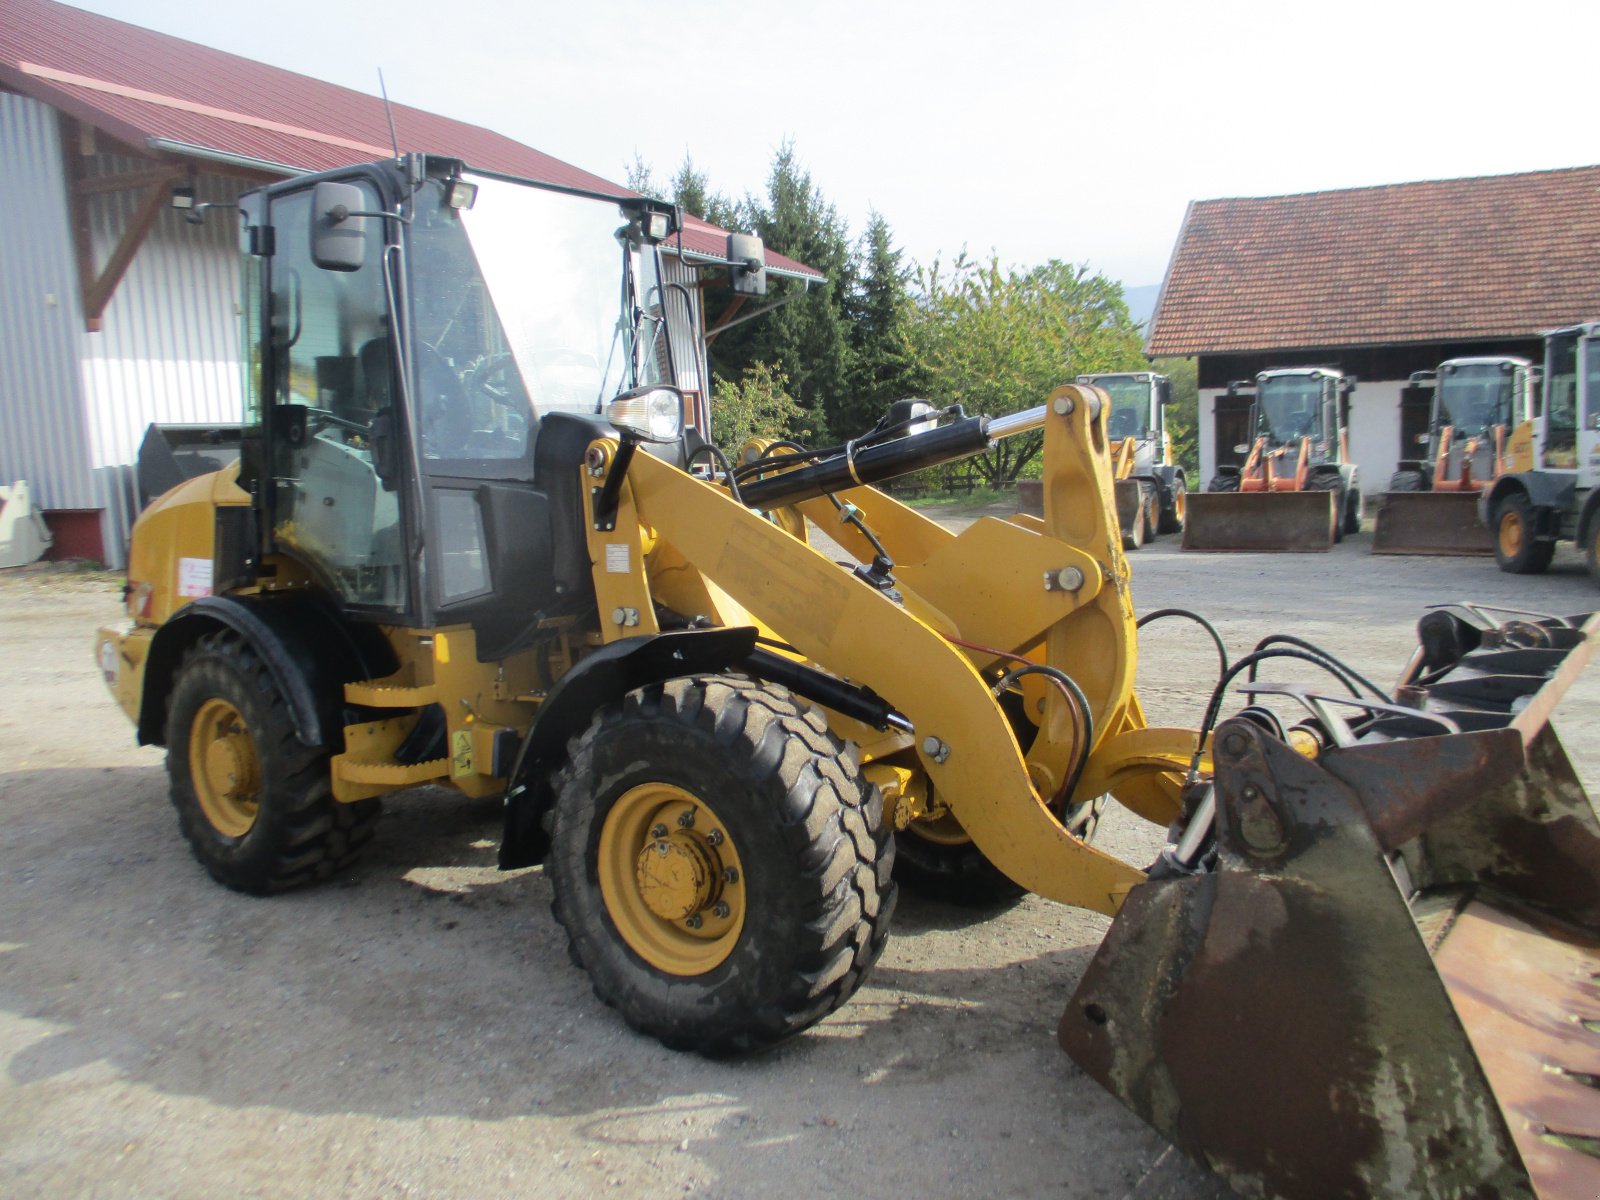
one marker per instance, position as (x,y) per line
(748,273)
(338,227)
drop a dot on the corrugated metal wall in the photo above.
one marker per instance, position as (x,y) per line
(168,346)
(44,436)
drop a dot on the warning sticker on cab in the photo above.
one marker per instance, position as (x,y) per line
(194,577)
(617,558)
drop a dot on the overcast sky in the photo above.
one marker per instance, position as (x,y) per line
(1040,130)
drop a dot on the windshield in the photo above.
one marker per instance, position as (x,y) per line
(1474,397)
(1288,406)
(531,301)
(1130,404)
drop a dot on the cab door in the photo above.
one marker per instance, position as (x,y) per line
(332,486)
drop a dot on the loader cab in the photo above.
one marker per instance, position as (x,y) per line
(432,350)
(1567,431)
(1294,403)
(1475,395)
(1137,401)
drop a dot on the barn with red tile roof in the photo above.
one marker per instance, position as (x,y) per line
(114,310)
(1379,282)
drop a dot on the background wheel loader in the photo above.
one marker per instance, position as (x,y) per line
(1432,503)
(1152,491)
(1297,489)
(1548,492)
(469,542)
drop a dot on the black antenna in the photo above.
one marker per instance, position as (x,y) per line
(388,112)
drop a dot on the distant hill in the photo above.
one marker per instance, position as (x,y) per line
(1141,301)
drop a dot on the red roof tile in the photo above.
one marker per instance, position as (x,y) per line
(161,94)
(1456,259)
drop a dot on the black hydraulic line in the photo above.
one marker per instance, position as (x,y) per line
(1348,674)
(859,703)
(1160,613)
(605,504)
(1085,713)
(871,464)
(727,467)
(1228,676)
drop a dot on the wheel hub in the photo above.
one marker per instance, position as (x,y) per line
(678,876)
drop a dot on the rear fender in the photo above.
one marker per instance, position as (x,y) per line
(308,650)
(606,676)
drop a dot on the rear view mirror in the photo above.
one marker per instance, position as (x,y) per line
(747,274)
(338,227)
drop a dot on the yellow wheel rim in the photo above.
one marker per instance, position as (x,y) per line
(1180,506)
(671,879)
(224,768)
(1510,534)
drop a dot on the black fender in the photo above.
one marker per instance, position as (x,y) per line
(310,652)
(1551,496)
(600,679)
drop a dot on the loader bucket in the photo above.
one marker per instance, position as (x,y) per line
(1130,502)
(1430,523)
(1385,982)
(1292,522)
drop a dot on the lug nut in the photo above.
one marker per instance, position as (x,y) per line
(720,910)
(693,921)
(660,831)
(714,838)
(730,875)
(686,819)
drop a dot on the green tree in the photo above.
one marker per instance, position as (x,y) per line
(999,340)
(758,404)
(642,179)
(1183,414)
(878,315)
(806,338)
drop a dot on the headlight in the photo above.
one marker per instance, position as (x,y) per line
(652,414)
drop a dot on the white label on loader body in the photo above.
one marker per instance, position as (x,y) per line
(617,558)
(194,577)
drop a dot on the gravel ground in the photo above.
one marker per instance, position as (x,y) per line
(415,1028)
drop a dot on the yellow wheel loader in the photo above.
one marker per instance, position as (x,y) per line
(1548,492)
(1432,504)
(1152,491)
(1297,490)
(471,541)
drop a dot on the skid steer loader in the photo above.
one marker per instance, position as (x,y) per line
(1432,504)
(1151,490)
(469,541)
(1297,489)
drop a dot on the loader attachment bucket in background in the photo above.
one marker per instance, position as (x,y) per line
(1385,984)
(1294,522)
(1430,523)
(1130,500)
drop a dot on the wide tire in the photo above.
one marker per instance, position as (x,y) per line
(721,868)
(1329,482)
(1355,506)
(1406,481)
(1176,507)
(1516,550)
(255,803)
(1223,483)
(938,860)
